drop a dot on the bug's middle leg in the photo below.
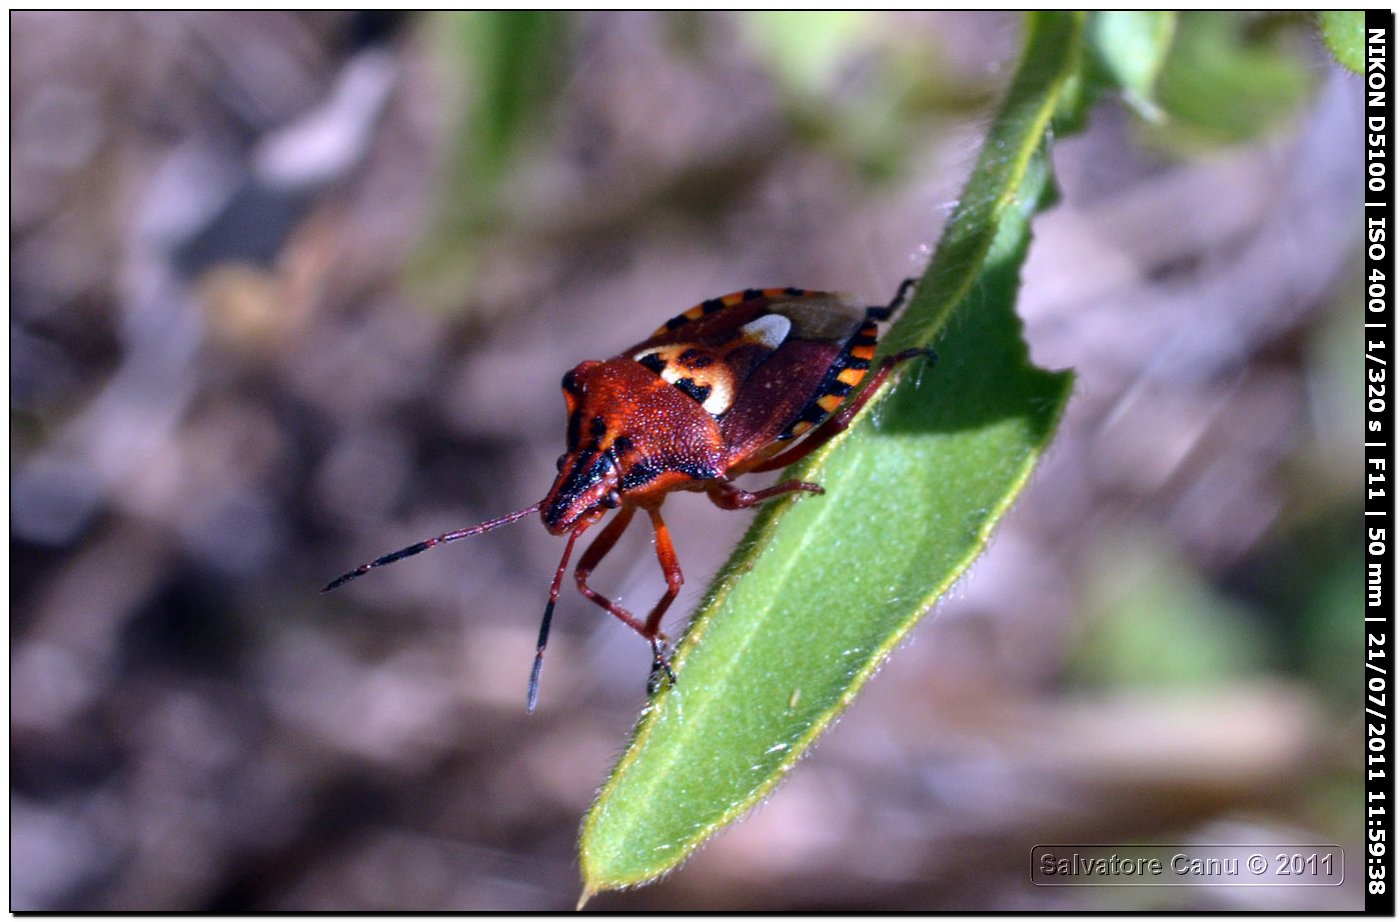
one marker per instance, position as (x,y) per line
(727,496)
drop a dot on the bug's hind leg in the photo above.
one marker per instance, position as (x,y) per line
(727,496)
(837,424)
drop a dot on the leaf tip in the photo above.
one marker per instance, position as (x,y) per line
(583,898)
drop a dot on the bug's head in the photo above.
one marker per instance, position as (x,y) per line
(587,484)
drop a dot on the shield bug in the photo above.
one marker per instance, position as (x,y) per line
(742,384)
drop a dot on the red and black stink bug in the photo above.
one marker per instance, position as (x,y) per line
(721,390)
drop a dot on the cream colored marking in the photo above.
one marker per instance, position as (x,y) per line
(769,330)
(716,377)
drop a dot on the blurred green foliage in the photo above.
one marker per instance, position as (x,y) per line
(500,72)
(1153,621)
(857,89)
(1344,31)
(1230,77)
(1131,46)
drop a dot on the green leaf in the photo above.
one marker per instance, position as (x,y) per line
(1153,621)
(822,589)
(1131,47)
(1344,31)
(1230,77)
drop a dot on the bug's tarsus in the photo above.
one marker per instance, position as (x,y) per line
(662,676)
(532,691)
(886,311)
(422,546)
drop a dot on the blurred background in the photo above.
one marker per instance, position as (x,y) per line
(289,291)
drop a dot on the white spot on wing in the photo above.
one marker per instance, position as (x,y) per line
(769,330)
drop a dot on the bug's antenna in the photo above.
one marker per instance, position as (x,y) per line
(422,546)
(532,694)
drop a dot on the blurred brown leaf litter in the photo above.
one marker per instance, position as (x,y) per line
(278,306)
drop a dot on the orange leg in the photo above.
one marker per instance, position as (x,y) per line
(727,496)
(837,424)
(593,556)
(660,652)
(670,567)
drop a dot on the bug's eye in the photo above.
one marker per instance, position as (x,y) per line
(613,499)
(559,464)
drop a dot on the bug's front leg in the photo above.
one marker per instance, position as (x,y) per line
(671,567)
(727,496)
(593,556)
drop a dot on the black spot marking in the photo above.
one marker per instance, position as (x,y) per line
(853,362)
(813,414)
(694,359)
(795,292)
(712,305)
(751,293)
(570,382)
(652,362)
(863,339)
(622,444)
(675,323)
(597,427)
(697,392)
(640,474)
(645,471)
(839,388)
